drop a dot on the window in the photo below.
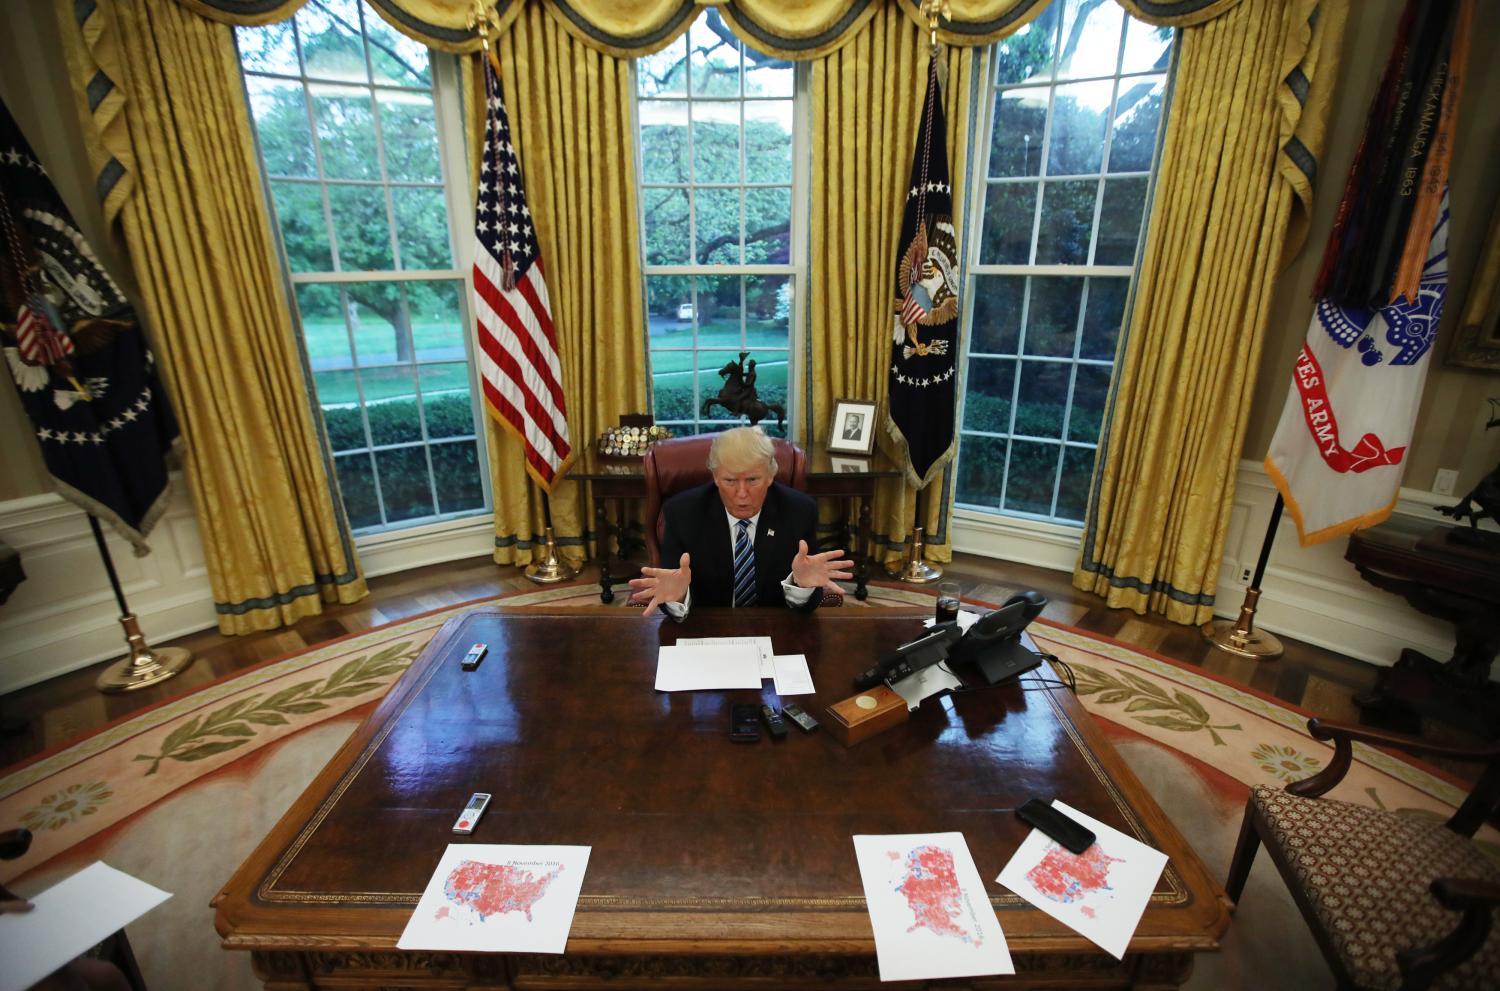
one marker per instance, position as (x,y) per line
(351,117)
(1076,99)
(719,146)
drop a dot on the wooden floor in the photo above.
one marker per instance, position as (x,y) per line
(68,706)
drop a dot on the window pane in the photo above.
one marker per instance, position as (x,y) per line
(987,398)
(997,313)
(437,328)
(1078,115)
(324,334)
(718,216)
(715,57)
(670,310)
(663,73)
(346,132)
(1016,141)
(1067,219)
(299,213)
(1103,317)
(1073,490)
(456,467)
(1147,48)
(268,49)
(357,485)
(1052,317)
(380,319)
(1009,214)
(280,113)
(1027,55)
(981,469)
(672,385)
(666,226)
(768,141)
(719,310)
(768,225)
(1090,394)
(1120,221)
(346,424)
(396,59)
(405,483)
(445,399)
(1033,473)
(1042,398)
(768,311)
(768,76)
(360,227)
(331,45)
(716,141)
(408,125)
(1090,39)
(1137,112)
(422,227)
(390,405)
(664,141)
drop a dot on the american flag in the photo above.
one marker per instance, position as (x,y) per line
(517,345)
(36,339)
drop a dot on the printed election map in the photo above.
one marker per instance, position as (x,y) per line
(928,907)
(1067,877)
(494,897)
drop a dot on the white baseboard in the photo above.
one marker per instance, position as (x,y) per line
(1310,594)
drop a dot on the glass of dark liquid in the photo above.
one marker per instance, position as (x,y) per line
(947,602)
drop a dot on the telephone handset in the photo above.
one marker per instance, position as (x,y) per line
(993,644)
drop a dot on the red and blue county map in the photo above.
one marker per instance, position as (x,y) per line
(484,890)
(931,889)
(1069,877)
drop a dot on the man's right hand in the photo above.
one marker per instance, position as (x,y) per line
(658,585)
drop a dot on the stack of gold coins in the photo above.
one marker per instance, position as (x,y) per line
(630,442)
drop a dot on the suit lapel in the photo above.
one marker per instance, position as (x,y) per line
(720,561)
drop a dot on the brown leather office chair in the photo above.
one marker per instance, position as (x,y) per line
(1383,891)
(680,463)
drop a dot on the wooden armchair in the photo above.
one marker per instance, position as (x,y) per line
(1378,889)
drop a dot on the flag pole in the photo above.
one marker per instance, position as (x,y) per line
(916,571)
(143,665)
(1239,636)
(551,568)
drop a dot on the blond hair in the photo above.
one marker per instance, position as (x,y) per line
(742,448)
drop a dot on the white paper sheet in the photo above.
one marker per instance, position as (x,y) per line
(690,669)
(494,897)
(966,619)
(792,676)
(70,917)
(1101,893)
(928,907)
(762,646)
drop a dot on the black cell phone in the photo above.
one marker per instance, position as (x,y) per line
(744,723)
(1072,835)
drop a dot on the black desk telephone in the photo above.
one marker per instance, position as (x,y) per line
(991,648)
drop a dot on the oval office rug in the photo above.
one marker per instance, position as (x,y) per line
(179,794)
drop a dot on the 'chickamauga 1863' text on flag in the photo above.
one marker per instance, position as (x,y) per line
(76,352)
(518,362)
(924,342)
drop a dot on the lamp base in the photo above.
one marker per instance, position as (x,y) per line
(914,570)
(1240,637)
(551,568)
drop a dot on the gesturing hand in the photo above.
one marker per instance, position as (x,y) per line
(658,585)
(820,570)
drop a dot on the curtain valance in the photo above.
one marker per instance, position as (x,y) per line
(807,29)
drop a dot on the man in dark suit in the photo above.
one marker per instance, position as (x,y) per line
(741,539)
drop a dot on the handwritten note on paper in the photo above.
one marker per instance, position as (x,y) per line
(762,647)
(693,669)
(931,915)
(1101,893)
(792,675)
(67,919)
(492,897)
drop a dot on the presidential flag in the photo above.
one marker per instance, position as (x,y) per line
(518,363)
(924,343)
(74,348)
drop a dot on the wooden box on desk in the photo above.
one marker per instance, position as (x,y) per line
(861,716)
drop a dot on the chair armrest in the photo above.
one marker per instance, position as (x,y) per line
(1421,965)
(1343,737)
(1462,892)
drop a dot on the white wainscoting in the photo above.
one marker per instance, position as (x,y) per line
(64,617)
(1310,594)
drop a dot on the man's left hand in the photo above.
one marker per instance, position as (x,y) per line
(820,570)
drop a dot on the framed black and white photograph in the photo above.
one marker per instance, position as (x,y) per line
(853,430)
(849,466)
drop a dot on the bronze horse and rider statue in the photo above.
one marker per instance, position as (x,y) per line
(738,394)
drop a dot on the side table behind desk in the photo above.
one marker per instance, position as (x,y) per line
(828,476)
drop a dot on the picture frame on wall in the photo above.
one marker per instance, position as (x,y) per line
(853,428)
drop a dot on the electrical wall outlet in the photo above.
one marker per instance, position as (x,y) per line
(1245,575)
(1445,481)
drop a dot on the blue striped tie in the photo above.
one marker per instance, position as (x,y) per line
(744,565)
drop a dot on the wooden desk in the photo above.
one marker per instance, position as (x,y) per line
(714,864)
(828,476)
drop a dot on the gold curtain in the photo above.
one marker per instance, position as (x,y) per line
(570,110)
(170,142)
(1251,96)
(867,100)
